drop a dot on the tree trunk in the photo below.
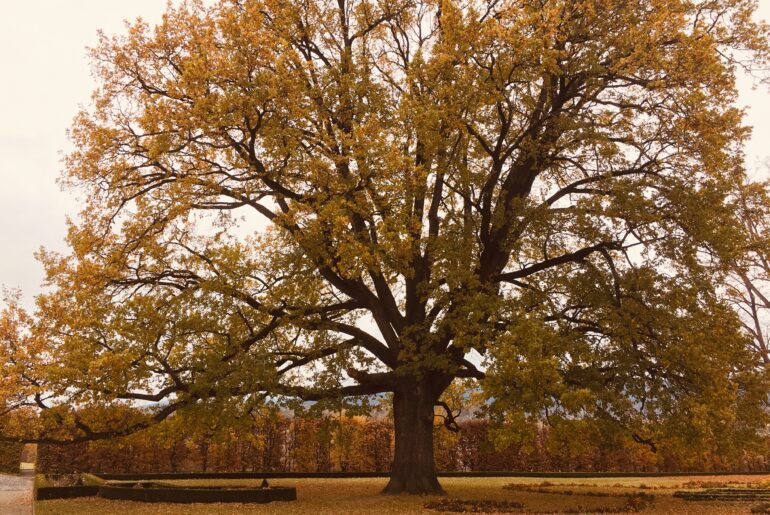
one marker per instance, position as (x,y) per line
(413,470)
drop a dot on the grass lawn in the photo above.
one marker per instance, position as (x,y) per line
(361,496)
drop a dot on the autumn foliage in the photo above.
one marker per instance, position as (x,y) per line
(10,457)
(290,201)
(362,444)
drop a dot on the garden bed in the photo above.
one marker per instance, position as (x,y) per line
(65,486)
(725,494)
(44,493)
(159,492)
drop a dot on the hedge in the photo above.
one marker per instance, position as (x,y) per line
(358,444)
(10,457)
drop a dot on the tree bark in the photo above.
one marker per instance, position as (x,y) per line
(413,469)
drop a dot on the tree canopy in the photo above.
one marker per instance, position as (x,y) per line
(321,199)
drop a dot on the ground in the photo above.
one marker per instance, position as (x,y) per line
(361,496)
(15,495)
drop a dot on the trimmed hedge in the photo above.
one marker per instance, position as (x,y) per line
(43,493)
(176,476)
(358,444)
(10,457)
(151,492)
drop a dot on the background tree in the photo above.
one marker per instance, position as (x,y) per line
(321,199)
(749,280)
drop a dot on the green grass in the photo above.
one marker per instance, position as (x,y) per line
(361,496)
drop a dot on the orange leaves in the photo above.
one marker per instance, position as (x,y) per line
(394,184)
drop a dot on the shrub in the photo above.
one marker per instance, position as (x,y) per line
(10,457)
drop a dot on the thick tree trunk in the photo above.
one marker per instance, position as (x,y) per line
(413,470)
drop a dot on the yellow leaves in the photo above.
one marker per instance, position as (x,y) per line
(404,157)
(581,400)
(22,350)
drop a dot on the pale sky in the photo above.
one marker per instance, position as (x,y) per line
(45,76)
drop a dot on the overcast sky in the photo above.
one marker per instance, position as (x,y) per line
(45,76)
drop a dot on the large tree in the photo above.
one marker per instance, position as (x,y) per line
(314,199)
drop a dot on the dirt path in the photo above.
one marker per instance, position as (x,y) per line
(15,495)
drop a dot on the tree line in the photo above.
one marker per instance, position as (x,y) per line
(343,443)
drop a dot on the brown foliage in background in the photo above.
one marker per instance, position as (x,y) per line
(10,457)
(361,444)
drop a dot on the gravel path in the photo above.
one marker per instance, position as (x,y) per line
(15,495)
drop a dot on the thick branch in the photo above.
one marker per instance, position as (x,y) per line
(576,256)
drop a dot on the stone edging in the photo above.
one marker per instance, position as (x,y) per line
(149,492)
(44,493)
(154,493)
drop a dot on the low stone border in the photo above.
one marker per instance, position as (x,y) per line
(474,506)
(634,503)
(45,493)
(725,494)
(153,492)
(341,475)
(172,476)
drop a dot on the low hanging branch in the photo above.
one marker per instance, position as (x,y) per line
(449,417)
